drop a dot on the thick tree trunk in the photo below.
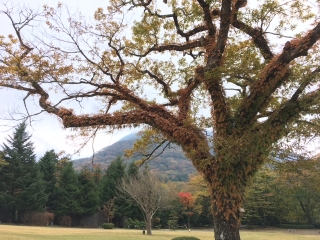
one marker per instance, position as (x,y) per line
(263,217)
(225,229)
(227,196)
(307,212)
(9,216)
(309,217)
(226,214)
(231,168)
(149,224)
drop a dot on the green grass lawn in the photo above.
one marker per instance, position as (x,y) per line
(9,232)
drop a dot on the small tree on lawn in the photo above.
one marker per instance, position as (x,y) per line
(187,201)
(108,210)
(147,191)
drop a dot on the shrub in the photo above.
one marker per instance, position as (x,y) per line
(37,218)
(173,224)
(316,225)
(65,221)
(130,223)
(185,238)
(107,225)
(296,226)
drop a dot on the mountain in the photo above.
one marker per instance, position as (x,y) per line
(171,164)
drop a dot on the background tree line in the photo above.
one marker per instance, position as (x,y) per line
(281,192)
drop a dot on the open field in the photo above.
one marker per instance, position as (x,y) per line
(9,232)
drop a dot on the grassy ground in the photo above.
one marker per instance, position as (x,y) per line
(9,232)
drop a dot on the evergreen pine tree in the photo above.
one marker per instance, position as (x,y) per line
(132,170)
(97,174)
(89,198)
(21,184)
(111,179)
(2,162)
(47,166)
(109,185)
(67,192)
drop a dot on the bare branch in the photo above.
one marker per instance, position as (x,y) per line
(150,156)
(173,47)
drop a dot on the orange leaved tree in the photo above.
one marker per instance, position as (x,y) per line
(187,200)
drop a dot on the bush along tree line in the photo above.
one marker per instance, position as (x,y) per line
(50,190)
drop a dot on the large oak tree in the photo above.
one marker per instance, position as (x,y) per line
(162,65)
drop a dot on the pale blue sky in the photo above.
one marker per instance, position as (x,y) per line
(47,131)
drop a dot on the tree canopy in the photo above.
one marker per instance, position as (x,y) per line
(146,190)
(162,65)
(21,184)
(47,165)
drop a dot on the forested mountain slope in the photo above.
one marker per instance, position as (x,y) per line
(171,164)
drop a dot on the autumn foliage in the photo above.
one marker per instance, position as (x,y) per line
(187,200)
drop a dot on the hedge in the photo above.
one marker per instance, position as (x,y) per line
(296,226)
(107,225)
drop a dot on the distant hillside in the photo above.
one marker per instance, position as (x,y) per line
(171,164)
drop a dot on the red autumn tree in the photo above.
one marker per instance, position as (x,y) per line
(187,200)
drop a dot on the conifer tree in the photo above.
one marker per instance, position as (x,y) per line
(67,192)
(21,184)
(111,179)
(132,170)
(89,197)
(108,187)
(2,162)
(47,166)
(260,204)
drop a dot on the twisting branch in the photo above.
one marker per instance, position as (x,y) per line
(173,47)
(214,52)
(30,17)
(257,36)
(150,156)
(291,108)
(165,87)
(174,16)
(225,20)
(184,101)
(273,76)
(207,18)
(24,103)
